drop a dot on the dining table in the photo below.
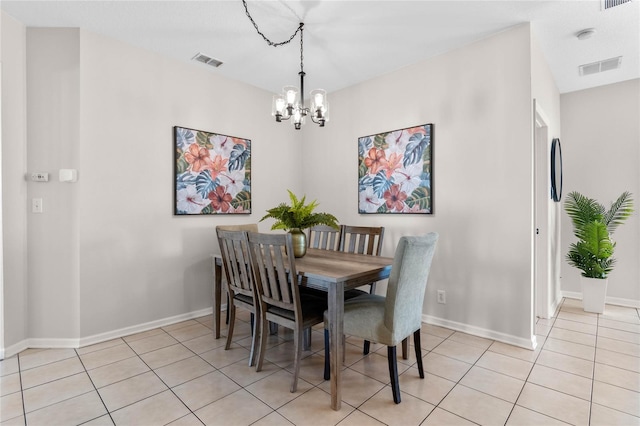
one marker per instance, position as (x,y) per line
(330,271)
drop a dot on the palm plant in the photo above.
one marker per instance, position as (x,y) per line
(593,226)
(298,215)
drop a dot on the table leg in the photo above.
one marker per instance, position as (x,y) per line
(217,295)
(336,348)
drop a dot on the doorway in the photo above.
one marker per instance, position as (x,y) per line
(541,201)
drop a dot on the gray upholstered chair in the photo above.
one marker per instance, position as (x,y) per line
(279,297)
(391,319)
(234,248)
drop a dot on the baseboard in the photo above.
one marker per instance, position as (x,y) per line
(482,332)
(98,338)
(619,301)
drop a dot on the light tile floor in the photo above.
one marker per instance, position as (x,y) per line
(586,371)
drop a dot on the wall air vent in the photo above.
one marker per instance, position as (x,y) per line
(207,60)
(600,66)
(608,4)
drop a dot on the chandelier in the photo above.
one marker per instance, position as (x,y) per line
(290,103)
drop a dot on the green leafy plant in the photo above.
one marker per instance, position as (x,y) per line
(298,215)
(593,226)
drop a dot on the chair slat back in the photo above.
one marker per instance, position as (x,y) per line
(234,248)
(324,237)
(362,239)
(275,271)
(408,283)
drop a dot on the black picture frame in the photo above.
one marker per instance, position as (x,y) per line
(212,173)
(395,171)
(556,170)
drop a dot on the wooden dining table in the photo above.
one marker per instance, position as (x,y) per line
(330,271)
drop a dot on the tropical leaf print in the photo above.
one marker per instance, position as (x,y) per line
(203,140)
(205,184)
(419,197)
(185,179)
(184,138)
(380,141)
(364,182)
(415,149)
(381,183)
(242,200)
(238,157)
(364,145)
(181,164)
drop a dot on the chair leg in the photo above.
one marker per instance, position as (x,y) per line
(228,305)
(255,336)
(393,373)
(327,366)
(273,328)
(366,347)
(297,342)
(405,348)
(306,339)
(416,343)
(372,290)
(231,310)
(262,347)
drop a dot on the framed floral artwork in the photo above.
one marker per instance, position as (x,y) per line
(212,173)
(395,171)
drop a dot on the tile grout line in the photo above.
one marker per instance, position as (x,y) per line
(24,411)
(163,382)
(94,387)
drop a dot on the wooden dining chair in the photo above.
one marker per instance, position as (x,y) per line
(234,248)
(324,237)
(362,240)
(390,320)
(279,296)
(249,227)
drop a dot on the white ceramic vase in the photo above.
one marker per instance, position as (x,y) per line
(594,292)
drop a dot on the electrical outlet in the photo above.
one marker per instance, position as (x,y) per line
(442,296)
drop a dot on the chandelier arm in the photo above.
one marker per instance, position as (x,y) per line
(269,42)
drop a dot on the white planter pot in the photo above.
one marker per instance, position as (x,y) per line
(594,292)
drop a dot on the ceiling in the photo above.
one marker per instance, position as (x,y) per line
(347,42)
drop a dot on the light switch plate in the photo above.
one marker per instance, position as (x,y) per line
(68,175)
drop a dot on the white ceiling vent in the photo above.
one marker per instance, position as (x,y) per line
(200,57)
(600,66)
(608,4)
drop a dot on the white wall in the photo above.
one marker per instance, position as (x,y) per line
(479,99)
(601,153)
(53,104)
(110,254)
(547,96)
(14,185)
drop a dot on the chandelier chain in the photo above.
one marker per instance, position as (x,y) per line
(301,49)
(269,42)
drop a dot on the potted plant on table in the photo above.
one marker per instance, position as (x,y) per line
(297,217)
(593,252)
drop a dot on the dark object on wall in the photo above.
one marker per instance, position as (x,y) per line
(395,171)
(212,173)
(556,170)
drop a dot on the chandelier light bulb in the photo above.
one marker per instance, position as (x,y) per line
(291,93)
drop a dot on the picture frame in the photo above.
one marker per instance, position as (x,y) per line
(395,171)
(212,173)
